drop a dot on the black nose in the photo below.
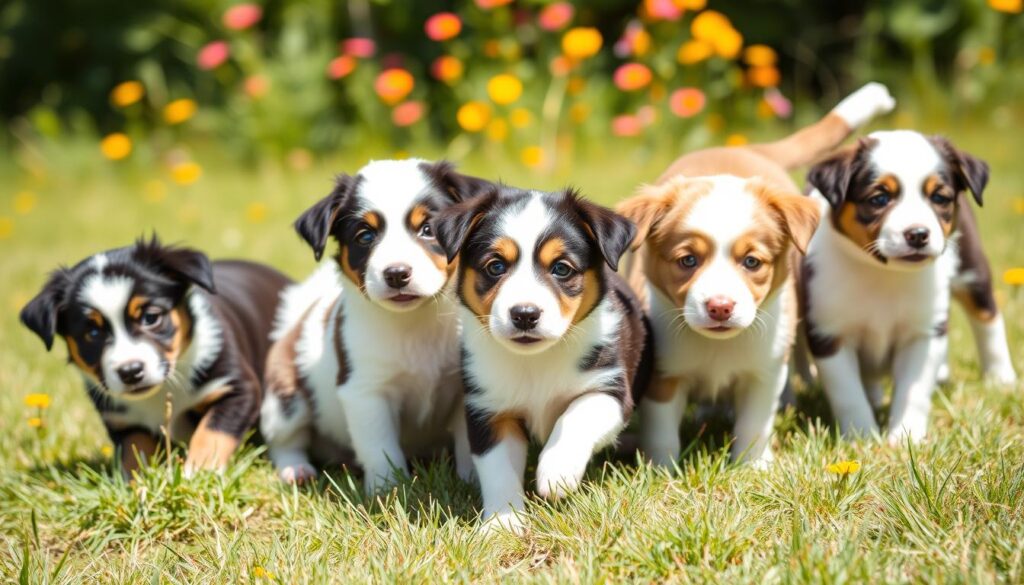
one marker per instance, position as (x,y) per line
(917,237)
(398,275)
(525,317)
(131,373)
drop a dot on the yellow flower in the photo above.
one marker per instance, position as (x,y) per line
(692,52)
(578,113)
(116,146)
(186,173)
(497,130)
(256,212)
(736,140)
(35,422)
(127,93)
(473,116)
(154,191)
(844,467)
(504,89)
(692,4)
(260,572)
(532,156)
(107,450)
(1014,277)
(760,56)
(1018,205)
(763,76)
(37,401)
(581,42)
(24,202)
(520,118)
(6,227)
(715,29)
(1011,6)
(179,111)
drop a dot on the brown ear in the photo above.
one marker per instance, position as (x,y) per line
(646,208)
(800,215)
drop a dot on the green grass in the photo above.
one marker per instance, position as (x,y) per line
(950,510)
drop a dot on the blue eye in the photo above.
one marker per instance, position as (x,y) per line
(940,199)
(93,333)
(688,261)
(562,269)
(751,263)
(365,237)
(880,200)
(496,268)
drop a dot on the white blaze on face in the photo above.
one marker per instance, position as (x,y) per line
(910,158)
(391,189)
(522,285)
(724,215)
(110,297)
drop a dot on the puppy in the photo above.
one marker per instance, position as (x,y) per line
(878,275)
(717,231)
(366,356)
(145,327)
(555,346)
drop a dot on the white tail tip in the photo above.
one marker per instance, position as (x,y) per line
(861,106)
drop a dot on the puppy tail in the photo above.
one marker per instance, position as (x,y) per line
(809,144)
(297,299)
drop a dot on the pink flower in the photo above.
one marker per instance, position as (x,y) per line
(362,48)
(213,55)
(242,16)
(632,77)
(489,4)
(555,17)
(626,125)
(686,102)
(779,103)
(407,114)
(663,9)
(340,67)
(443,26)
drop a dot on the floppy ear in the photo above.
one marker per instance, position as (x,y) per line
(832,177)
(800,216)
(646,208)
(41,313)
(614,233)
(184,264)
(455,185)
(971,172)
(453,225)
(314,225)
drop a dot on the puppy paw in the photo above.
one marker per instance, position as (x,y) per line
(942,374)
(559,474)
(379,481)
(504,522)
(910,432)
(297,474)
(1002,376)
(195,465)
(858,108)
(465,470)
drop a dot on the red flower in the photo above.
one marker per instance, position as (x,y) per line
(362,48)
(555,17)
(242,16)
(340,67)
(687,102)
(407,114)
(213,55)
(443,26)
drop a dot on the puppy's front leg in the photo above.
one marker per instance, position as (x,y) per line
(375,439)
(661,412)
(460,437)
(755,418)
(840,375)
(915,367)
(136,447)
(222,427)
(499,455)
(588,424)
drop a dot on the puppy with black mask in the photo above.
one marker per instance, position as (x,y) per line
(145,324)
(555,345)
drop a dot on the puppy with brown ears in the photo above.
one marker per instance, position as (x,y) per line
(716,234)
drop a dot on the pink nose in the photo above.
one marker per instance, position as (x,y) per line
(720,308)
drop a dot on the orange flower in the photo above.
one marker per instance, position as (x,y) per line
(1010,6)
(763,76)
(692,52)
(473,116)
(127,93)
(256,86)
(179,111)
(687,102)
(116,146)
(407,114)
(736,140)
(581,42)
(760,56)
(556,16)
(35,422)
(447,69)
(560,65)
(532,156)
(340,67)
(186,173)
(662,10)
(443,26)
(632,76)
(504,89)
(393,85)
(360,47)
(242,16)
(715,29)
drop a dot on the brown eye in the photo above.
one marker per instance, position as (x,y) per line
(152,318)
(426,232)
(939,199)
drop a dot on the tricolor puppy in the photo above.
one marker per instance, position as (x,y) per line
(877,278)
(144,326)
(366,356)
(717,231)
(555,346)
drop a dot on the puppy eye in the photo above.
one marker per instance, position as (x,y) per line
(152,318)
(365,237)
(496,268)
(940,199)
(688,261)
(562,269)
(880,200)
(93,334)
(751,263)
(426,232)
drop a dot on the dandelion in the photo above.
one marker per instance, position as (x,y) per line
(407,114)
(632,77)
(359,47)
(693,52)
(442,26)
(179,111)
(24,202)
(520,118)
(154,191)
(242,16)
(556,16)
(256,86)
(626,125)
(1014,277)
(763,76)
(107,450)
(760,56)
(447,69)
(473,116)
(261,573)
(116,146)
(844,468)
(497,130)
(1009,6)
(40,401)
(6,227)
(687,102)
(35,422)
(532,156)
(127,93)
(186,173)
(393,85)
(213,55)
(662,10)
(736,140)
(504,89)
(256,212)
(581,42)
(340,67)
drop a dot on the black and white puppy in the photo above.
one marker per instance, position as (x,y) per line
(144,326)
(366,357)
(878,273)
(555,345)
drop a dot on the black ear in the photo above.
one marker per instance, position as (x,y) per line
(315,224)
(183,264)
(453,225)
(832,178)
(456,186)
(41,313)
(613,233)
(971,173)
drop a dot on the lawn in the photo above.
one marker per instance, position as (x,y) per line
(948,510)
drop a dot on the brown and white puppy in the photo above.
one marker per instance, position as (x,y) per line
(555,346)
(878,276)
(144,325)
(366,357)
(717,231)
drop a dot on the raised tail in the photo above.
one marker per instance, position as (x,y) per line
(815,141)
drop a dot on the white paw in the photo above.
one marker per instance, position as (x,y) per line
(559,474)
(379,481)
(761,463)
(942,375)
(858,108)
(465,470)
(914,433)
(1002,375)
(297,474)
(508,521)
(662,456)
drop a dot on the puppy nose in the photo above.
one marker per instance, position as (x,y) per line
(525,317)
(917,236)
(720,308)
(398,275)
(131,372)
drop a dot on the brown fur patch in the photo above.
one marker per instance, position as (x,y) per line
(947,213)
(550,251)
(590,297)
(507,249)
(372,219)
(209,448)
(346,267)
(95,316)
(281,374)
(417,216)
(182,333)
(506,425)
(76,357)
(136,448)
(480,305)
(848,224)
(976,311)
(662,389)
(135,306)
